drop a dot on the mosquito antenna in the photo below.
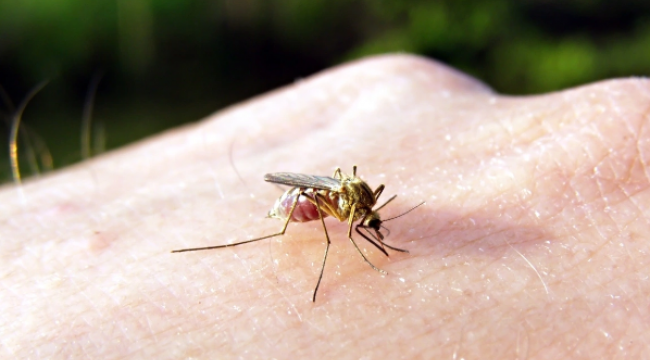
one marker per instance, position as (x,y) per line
(386,203)
(404,213)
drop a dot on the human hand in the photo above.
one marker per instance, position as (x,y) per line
(532,243)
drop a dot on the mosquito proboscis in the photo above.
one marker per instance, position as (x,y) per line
(312,197)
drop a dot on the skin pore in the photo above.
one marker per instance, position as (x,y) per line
(533,242)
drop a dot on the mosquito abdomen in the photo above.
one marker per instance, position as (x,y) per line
(305,209)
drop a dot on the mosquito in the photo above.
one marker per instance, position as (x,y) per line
(312,197)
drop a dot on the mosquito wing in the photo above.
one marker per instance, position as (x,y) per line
(304,181)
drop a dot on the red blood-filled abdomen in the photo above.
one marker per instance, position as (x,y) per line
(305,210)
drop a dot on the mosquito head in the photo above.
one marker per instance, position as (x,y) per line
(372,221)
(371,226)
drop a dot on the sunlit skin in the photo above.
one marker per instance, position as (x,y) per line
(533,243)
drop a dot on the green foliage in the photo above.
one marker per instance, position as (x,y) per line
(565,45)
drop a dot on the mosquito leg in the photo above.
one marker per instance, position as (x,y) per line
(284,228)
(327,247)
(327,208)
(355,244)
(378,191)
(380,238)
(381,242)
(378,246)
(394,248)
(337,174)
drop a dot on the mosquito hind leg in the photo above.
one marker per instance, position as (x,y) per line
(284,229)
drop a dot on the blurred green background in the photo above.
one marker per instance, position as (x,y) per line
(166,62)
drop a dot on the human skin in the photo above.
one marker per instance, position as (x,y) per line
(533,242)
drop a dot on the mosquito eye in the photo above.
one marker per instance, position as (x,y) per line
(374,223)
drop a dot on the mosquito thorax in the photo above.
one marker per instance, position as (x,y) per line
(358,192)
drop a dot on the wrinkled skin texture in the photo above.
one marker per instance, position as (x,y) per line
(534,241)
